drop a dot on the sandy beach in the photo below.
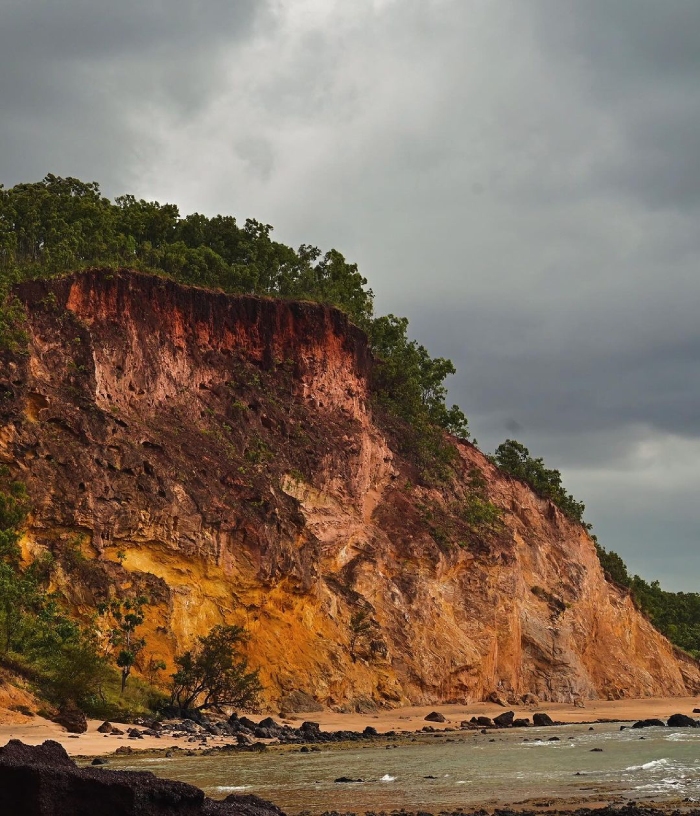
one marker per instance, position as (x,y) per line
(34,730)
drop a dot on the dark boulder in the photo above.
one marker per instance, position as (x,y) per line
(72,719)
(50,754)
(521,722)
(682,721)
(435,716)
(106,728)
(505,719)
(370,731)
(486,722)
(648,723)
(44,781)
(541,719)
(251,805)
(264,733)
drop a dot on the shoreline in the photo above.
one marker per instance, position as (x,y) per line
(35,730)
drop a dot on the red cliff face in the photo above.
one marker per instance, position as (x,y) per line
(219,453)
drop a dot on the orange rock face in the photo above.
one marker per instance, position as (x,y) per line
(220,454)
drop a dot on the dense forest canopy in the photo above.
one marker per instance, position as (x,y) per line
(61,225)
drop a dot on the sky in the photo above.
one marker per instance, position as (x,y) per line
(520,178)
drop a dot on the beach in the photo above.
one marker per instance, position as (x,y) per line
(34,730)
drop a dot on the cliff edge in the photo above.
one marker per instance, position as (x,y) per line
(221,455)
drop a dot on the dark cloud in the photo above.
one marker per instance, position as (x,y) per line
(519,178)
(639,60)
(80,82)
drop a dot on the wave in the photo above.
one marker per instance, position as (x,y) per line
(231,788)
(387,778)
(648,766)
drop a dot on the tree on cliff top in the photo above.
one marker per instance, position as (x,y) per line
(60,225)
(215,673)
(514,458)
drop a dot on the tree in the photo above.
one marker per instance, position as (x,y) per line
(215,673)
(514,458)
(124,616)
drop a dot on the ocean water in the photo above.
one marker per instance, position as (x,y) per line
(456,770)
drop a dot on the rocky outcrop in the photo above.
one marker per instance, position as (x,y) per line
(44,781)
(72,719)
(221,455)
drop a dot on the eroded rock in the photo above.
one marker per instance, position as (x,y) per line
(44,781)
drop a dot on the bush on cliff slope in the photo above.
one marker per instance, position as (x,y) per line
(37,637)
(514,458)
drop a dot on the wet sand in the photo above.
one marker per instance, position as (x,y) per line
(34,730)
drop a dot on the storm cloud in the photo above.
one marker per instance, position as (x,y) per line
(519,178)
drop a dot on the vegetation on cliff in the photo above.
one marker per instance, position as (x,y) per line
(61,225)
(514,458)
(674,614)
(38,638)
(214,673)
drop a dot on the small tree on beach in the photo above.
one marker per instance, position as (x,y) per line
(215,673)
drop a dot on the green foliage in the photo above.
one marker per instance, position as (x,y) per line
(63,224)
(409,380)
(12,334)
(36,634)
(215,673)
(409,384)
(477,511)
(123,617)
(514,458)
(138,699)
(613,566)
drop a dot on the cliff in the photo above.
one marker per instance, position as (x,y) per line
(221,455)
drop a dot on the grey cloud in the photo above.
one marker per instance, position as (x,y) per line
(640,61)
(80,29)
(518,178)
(81,83)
